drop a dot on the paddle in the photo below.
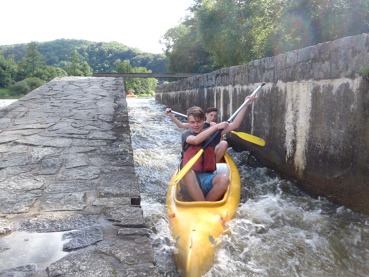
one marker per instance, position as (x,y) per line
(250,138)
(194,159)
(242,135)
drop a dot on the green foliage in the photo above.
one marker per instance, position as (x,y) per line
(32,61)
(364,71)
(23,87)
(225,32)
(31,71)
(31,65)
(137,85)
(100,56)
(77,66)
(48,73)
(141,85)
(184,50)
(124,67)
(8,71)
(4,93)
(222,33)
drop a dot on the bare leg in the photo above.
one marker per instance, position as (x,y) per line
(220,150)
(193,188)
(220,185)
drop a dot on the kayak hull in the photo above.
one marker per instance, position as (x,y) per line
(195,226)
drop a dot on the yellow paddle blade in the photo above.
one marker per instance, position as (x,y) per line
(250,138)
(188,166)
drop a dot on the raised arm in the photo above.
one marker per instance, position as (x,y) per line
(180,124)
(239,118)
(195,140)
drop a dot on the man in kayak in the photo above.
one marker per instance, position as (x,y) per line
(201,183)
(211,116)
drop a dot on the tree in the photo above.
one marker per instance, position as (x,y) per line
(136,85)
(77,66)
(47,73)
(86,69)
(223,33)
(141,85)
(23,87)
(31,62)
(100,56)
(8,71)
(124,67)
(184,50)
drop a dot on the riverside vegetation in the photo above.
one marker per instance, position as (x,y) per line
(24,67)
(214,34)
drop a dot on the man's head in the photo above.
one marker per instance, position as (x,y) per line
(196,118)
(211,114)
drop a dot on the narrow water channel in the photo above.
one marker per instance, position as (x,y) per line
(277,231)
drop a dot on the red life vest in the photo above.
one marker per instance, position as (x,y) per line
(206,163)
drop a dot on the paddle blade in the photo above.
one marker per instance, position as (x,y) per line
(250,138)
(188,166)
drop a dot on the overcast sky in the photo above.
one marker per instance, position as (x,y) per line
(135,23)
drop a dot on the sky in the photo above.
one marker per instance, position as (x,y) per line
(134,23)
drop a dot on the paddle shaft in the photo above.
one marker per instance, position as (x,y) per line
(241,135)
(180,114)
(238,110)
(233,115)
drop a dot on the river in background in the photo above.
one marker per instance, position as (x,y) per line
(278,230)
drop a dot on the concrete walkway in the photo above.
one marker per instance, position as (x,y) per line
(66,168)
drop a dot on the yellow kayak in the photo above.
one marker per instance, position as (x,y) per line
(196,225)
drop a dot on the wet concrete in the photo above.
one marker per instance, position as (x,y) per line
(70,199)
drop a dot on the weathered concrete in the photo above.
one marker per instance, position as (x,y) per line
(313,114)
(66,165)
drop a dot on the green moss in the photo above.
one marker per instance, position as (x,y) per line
(364,71)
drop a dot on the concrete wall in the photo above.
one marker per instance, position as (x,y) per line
(313,113)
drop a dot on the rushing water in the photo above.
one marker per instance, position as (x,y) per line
(277,231)
(6,102)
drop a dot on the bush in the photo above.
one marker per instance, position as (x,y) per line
(4,93)
(364,71)
(25,86)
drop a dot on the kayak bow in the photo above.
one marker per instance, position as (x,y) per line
(195,226)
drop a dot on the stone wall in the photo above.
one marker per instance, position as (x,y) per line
(313,114)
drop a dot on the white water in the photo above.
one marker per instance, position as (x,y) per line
(6,102)
(277,231)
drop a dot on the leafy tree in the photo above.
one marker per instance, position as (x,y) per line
(136,85)
(184,51)
(141,85)
(124,67)
(232,32)
(8,71)
(32,61)
(57,52)
(77,66)
(86,69)
(100,56)
(23,87)
(315,21)
(47,73)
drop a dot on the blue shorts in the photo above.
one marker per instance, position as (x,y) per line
(205,181)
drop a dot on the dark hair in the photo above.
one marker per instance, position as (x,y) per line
(196,112)
(211,109)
